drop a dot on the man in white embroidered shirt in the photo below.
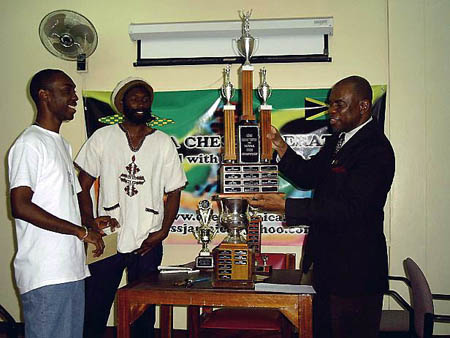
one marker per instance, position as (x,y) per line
(137,165)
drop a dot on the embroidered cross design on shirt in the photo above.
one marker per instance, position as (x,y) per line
(131,179)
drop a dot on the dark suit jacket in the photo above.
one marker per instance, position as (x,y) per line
(346,241)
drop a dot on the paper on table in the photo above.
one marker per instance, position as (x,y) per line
(178,271)
(174,267)
(110,248)
(284,288)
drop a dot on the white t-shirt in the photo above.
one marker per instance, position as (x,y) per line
(132,182)
(42,160)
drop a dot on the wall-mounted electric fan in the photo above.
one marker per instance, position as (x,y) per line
(69,36)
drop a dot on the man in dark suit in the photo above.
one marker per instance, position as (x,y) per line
(351,177)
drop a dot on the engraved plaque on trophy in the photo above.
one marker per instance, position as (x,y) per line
(249,143)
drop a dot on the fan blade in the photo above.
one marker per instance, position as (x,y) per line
(86,37)
(69,53)
(54,24)
(82,31)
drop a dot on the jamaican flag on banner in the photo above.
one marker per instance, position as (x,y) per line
(194,120)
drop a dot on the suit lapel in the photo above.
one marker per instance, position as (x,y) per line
(365,134)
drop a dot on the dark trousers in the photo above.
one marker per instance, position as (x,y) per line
(347,317)
(102,285)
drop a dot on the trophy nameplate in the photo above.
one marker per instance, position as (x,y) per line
(248,140)
(254,232)
(249,178)
(204,262)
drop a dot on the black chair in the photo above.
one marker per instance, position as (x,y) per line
(399,323)
(10,323)
(422,301)
(417,319)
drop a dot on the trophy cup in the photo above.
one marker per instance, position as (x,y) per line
(234,216)
(246,43)
(264,90)
(233,257)
(227,89)
(204,234)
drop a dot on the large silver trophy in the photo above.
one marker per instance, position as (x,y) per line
(234,216)
(246,43)
(234,260)
(204,235)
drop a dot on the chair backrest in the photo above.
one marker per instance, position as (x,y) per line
(278,260)
(421,297)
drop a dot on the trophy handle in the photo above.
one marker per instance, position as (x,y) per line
(213,233)
(256,45)
(196,235)
(236,52)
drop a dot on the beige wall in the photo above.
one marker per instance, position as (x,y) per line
(419,72)
(384,41)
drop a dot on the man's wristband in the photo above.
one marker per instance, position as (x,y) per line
(86,233)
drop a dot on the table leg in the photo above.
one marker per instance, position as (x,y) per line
(123,325)
(166,320)
(193,321)
(305,317)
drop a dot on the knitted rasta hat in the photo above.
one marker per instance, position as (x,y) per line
(122,87)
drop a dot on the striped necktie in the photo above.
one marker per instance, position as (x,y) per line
(339,145)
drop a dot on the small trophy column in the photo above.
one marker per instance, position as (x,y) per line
(247,93)
(246,48)
(204,234)
(229,113)
(264,92)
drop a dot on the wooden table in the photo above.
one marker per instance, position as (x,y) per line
(159,289)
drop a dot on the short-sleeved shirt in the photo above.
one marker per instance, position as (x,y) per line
(42,160)
(132,181)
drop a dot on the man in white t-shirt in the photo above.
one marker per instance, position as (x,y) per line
(50,263)
(138,167)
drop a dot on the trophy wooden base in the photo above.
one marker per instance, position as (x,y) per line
(264,270)
(233,266)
